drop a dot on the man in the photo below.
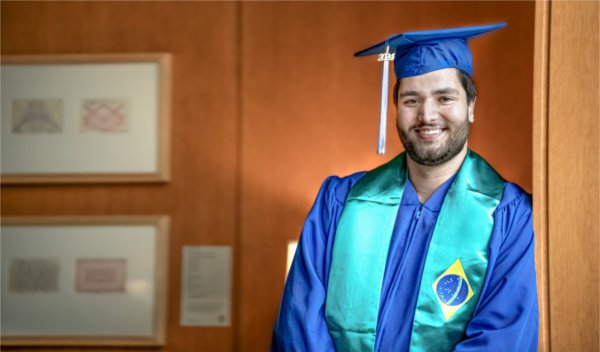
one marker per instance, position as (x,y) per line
(432,251)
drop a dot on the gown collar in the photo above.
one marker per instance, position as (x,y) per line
(434,203)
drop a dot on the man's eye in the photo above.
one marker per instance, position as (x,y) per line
(446,99)
(411,102)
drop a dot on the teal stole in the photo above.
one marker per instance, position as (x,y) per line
(454,269)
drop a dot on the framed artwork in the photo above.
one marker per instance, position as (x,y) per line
(84,281)
(85,118)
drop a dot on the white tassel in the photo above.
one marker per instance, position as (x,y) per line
(386,58)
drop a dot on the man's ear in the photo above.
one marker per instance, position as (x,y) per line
(471,110)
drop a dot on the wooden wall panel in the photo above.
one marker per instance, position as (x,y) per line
(573,176)
(201,198)
(540,166)
(267,101)
(311,110)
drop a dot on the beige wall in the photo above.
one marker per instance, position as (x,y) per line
(267,101)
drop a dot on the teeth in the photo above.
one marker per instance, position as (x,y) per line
(436,131)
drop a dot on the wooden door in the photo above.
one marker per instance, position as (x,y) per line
(566,175)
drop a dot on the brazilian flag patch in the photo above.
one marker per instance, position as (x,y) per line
(452,289)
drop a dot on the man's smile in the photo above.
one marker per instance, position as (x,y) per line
(429,133)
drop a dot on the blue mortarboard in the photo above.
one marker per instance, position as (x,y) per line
(417,53)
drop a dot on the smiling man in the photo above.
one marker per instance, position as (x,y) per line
(432,251)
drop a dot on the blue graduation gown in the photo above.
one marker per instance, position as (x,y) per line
(506,316)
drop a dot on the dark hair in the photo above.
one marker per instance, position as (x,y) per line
(465,80)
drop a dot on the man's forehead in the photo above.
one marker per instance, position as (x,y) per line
(431,82)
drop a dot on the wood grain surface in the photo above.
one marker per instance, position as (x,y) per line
(201,197)
(310,110)
(573,176)
(267,102)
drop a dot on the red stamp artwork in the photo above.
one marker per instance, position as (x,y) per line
(104,115)
(100,275)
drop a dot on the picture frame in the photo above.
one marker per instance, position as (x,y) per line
(85,118)
(84,281)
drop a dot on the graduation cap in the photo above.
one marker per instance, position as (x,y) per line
(417,53)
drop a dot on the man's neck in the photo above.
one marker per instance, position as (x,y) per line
(426,179)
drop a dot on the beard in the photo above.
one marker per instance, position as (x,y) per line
(428,156)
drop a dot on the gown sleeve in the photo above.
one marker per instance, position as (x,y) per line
(301,324)
(506,317)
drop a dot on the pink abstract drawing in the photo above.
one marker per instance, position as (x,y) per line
(101,275)
(105,115)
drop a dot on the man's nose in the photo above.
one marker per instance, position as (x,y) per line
(427,111)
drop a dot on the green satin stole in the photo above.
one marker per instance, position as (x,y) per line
(457,250)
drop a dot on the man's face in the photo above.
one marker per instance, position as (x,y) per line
(433,116)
